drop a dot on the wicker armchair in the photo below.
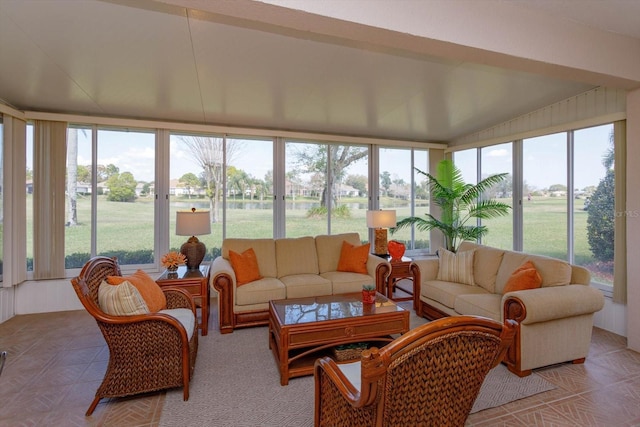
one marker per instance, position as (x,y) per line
(147,352)
(430,376)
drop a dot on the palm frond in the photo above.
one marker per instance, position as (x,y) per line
(474,192)
(459,202)
(488,209)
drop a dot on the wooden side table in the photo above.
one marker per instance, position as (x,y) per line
(403,269)
(196,282)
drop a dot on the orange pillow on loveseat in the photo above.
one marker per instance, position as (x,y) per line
(525,277)
(245,266)
(353,258)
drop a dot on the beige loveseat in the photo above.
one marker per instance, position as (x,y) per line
(291,268)
(554,321)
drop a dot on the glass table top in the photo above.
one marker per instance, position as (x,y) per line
(331,307)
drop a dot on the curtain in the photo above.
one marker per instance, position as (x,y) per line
(14,210)
(49,168)
(620,218)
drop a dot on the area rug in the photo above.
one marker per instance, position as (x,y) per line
(236,383)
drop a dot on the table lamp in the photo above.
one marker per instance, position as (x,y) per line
(192,223)
(380,221)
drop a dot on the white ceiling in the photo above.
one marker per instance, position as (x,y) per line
(160,61)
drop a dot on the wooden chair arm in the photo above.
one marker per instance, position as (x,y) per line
(179,298)
(372,369)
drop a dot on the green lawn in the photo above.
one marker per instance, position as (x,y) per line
(129,227)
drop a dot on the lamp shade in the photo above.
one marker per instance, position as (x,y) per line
(381,219)
(192,223)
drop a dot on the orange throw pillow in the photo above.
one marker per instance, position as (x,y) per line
(353,258)
(151,292)
(245,265)
(525,277)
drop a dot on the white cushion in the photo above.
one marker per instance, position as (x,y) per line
(121,300)
(352,372)
(184,316)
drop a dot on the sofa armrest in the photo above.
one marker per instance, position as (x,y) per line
(373,261)
(550,303)
(428,268)
(221,266)
(378,268)
(223,280)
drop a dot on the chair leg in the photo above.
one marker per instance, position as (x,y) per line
(185,390)
(93,406)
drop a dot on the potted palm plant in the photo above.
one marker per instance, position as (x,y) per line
(459,202)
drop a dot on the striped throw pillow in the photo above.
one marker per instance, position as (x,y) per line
(454,267)
(121,300)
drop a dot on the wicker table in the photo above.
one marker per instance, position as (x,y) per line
(303,329)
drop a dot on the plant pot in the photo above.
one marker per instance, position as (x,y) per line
(368,297)
(396,250)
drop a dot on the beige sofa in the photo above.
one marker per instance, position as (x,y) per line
(291,268)
(554,321)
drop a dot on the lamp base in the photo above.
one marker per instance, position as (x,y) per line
(194,250)
(380,241)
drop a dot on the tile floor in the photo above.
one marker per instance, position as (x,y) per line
(56,362)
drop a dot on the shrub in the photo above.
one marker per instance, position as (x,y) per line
(600,219)
(341,211)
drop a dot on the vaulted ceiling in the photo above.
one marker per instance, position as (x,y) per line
(161,60)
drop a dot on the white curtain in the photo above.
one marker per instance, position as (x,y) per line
(620,224)
(49,167)
(14,210)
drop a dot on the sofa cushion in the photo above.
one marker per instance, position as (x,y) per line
(184,316)
(554,272)
(485,304)
(121,300)
(353,258)
(260,291)
(265,250)
(447,292)
(328,248)
(245,266)
(306,285)
(344,282)
(454,267)
(296,256)
(525,277)
(148,288)
(486,262)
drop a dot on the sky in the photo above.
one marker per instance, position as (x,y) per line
(544,157)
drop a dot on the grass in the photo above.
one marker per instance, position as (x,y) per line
(130,227)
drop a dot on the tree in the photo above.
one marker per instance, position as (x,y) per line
(84,173)
(122,187)
(105,172)
(72,175)
(460,202)
(385,182)
(600,212)
(208,152)
(189,180)
(557,187)
(359,182)
(331,161)
(238,179)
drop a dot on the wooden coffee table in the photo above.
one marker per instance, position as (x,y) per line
(304,329)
